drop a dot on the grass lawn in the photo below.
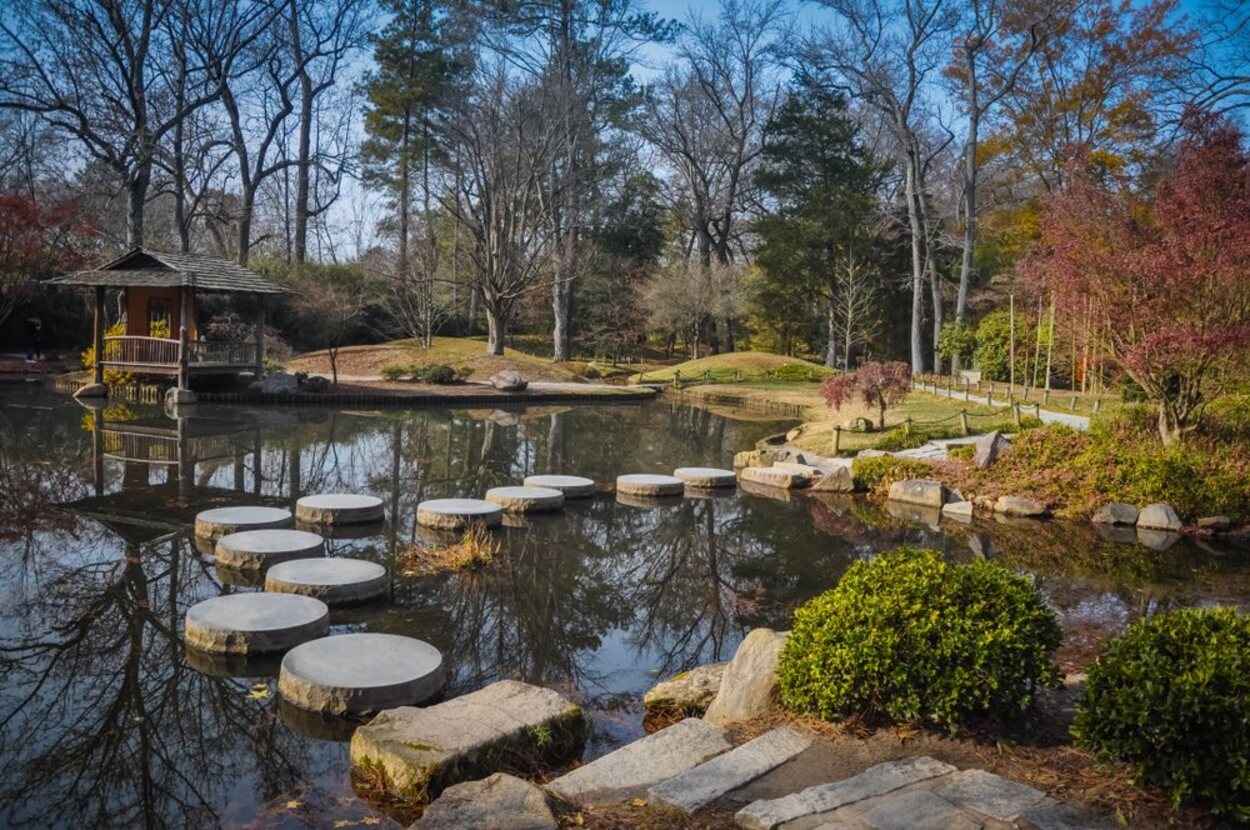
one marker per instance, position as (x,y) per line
(746,365)
(368,361)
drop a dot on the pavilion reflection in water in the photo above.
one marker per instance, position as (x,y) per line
(161,454)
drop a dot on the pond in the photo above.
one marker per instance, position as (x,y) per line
(105,720)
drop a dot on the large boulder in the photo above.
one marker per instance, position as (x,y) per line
(836,480)
(922,491)
(1115,513)
(750,458)
(1016,506)
(988,448)
(414,753)
(500,802)
(277,383)
(688,693)
(748,687)
(508,380)
(1159,516)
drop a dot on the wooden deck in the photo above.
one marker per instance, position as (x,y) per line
(163,356)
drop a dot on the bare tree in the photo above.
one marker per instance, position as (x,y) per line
(500,147)
(855,308)
(885,53)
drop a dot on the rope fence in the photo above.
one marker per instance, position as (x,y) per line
(953,387)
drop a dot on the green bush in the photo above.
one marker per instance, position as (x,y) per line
(1172,697)
(463,373)
(908,636)
(878,472)
(397,372)
(438,373)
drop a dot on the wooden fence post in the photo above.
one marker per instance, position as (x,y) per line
(963,422)
(1015,413)
(837,439)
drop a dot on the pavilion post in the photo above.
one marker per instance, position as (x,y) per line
(260,336)
(184,341)
(97,334)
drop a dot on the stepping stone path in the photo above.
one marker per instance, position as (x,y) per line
(339,509)
(771,477)
(706,477)
(499,802)
(255,550)
(573,487)
(352,674)
(333,581)
(415,753)
(634,768)
(456,514)
(255,623)
(526,499)
(221,521)
(709,781)
(649,485)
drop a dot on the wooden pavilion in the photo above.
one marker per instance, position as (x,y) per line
(159,295)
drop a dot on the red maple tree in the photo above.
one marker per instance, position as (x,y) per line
(877,384)
(1165,274)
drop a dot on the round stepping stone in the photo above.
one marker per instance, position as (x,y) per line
(526,499)
(454,514)
(333,581)
(255,623)
(650,485)
(706,477)
(573,487)
(352,674)
(339,509)
(254,550)
(221,521)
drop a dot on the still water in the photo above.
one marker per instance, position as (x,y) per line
(106,721)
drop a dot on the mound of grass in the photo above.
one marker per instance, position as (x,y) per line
(741,365)
(369,361)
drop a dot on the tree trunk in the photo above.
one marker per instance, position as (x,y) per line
(970,202)
(917,260)
(831,331)
(137,196)
(496,329)
(304,148)
(561,308)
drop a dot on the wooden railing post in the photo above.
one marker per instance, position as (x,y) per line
(260,336)
(184,358)
(837,439)
(97,334)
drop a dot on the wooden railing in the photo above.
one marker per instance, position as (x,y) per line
(162,351)
(141,351)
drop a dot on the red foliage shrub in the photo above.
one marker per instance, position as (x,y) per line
(877,384)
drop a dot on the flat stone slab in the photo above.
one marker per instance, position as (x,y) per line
(352,674)
(499,802)
(706,478)
(918,810)
(922,491)
(772,477)
(455,514)
(333,581)
(990,794)
(255,623)
(573,487)
(634,768)
(709,781)
(526,499)
(1061,817)
(766,814)
(643,484)
(340,509)
(415,753)
(220,521)
(255,550)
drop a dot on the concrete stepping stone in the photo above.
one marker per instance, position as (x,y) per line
(221,521)
(1061,817)
(339,509)
(709,781)
(526,499)
(351,674)
(333,581)
(456,514)
(643,484)
(255,550)
(499,802)
(767,814)
(918,810)
(990,794)
(573,487)
(772,477)
(255,623)
(634,768)
(415,753)
(706,478)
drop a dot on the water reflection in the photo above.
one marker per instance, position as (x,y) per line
(106,720)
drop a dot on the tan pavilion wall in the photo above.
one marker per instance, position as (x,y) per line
(137,310)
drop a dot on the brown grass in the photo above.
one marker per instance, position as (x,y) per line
(476,548)
(368,361)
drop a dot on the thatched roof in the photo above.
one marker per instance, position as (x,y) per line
(159,269)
